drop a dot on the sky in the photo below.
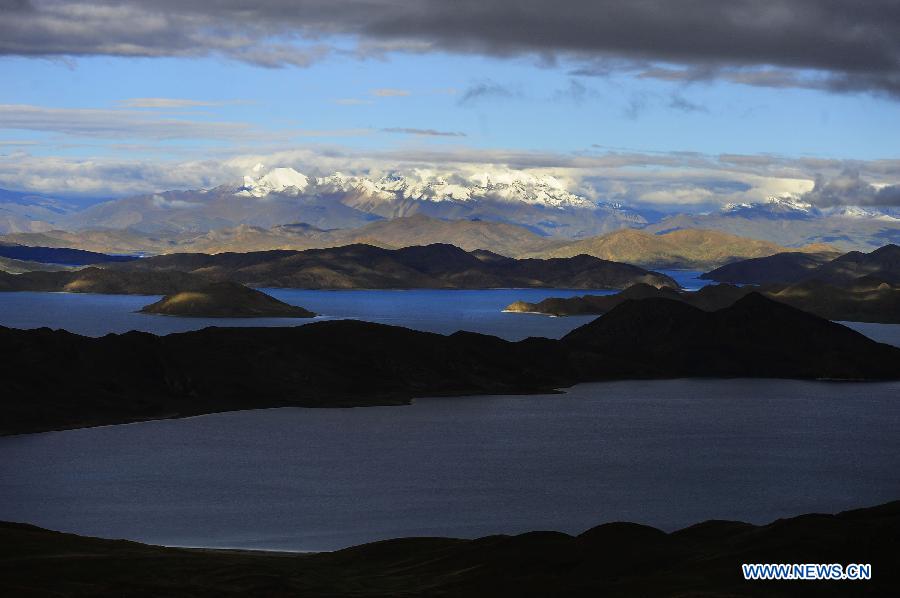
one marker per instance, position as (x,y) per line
(681,104)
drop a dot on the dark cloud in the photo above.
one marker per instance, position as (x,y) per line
(423,132)
(680,103)
(848,189)
(576,92)
(484,90)
(847,46)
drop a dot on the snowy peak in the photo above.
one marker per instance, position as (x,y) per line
(792,208)
(773,207)
(420,185)
(276,180)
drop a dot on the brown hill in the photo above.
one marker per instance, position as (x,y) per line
(686,248)
(14,266)
(368,267)
(506,239)
(99,280)
(225,300)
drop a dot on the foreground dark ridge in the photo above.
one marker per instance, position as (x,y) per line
(55,379)
(614,559)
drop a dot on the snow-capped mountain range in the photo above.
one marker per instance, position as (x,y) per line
(420,185)
(275,196)
(792,208)
(542,203)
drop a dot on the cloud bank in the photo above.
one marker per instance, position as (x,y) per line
(833,45)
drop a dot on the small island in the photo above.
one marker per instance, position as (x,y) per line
(225,300)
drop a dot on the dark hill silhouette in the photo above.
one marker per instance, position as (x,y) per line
(101,280)
(55,379)
(781,267)
(866,299)
(614,559)
(58,255)
(882,263)
(754,337)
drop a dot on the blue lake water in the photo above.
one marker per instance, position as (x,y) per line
(665,453)
(441,311)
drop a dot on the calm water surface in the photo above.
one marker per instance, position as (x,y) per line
(439,311)
(665,453)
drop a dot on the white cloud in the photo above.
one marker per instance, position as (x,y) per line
(164,103)
(351,102)
(388,92)
(656,179)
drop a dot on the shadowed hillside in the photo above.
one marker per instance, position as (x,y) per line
(430,266)
(614,559)
(882,264)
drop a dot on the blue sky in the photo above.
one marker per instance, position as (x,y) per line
(534,107)
(794,91)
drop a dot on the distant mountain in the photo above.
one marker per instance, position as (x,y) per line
(30,212)
(109,241)
(881,265)
(271,197)
(225,300)
(683,248)
(405,231)
(368,267)
(794,223)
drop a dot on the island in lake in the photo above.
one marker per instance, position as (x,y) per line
(225,300)
(855,287)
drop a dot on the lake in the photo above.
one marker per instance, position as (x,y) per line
(665,453)
(441,311)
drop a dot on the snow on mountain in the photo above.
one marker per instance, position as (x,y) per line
(773,207)
(860,213)
(792,208)
(421,185)
(276,180)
